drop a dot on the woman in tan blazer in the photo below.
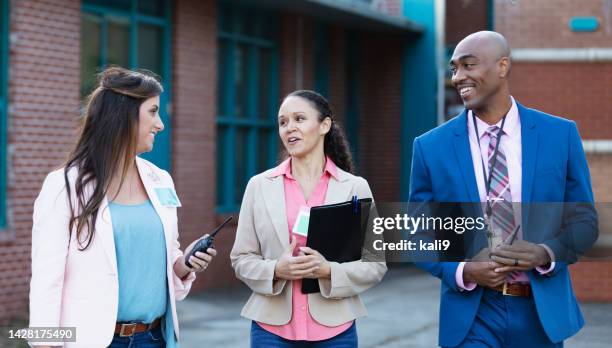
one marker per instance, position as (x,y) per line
(270,256)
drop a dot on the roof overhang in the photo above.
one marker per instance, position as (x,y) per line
(353,14)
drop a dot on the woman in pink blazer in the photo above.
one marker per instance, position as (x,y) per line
(105,251)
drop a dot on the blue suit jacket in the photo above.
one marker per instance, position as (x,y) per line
(554,169)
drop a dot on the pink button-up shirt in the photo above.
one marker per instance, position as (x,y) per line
(302,326)
(511,146)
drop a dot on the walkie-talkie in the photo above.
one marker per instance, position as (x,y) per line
(203,244)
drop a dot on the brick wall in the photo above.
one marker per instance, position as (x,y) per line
(194,133)
(44,105)
(337,60)
(308,51)
(464,17)
(337,71)
(601,172)
(380,105)
(288,53)
(592,280)
(579,91)
(544,23)
(291,26)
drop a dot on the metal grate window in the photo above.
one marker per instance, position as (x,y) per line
(247,137)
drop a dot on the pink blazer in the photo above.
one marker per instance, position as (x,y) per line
(72,288)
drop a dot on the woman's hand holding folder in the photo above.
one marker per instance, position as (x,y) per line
(307,264)
(324,270)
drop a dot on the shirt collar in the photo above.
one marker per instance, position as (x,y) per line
(285,169)
(511,127)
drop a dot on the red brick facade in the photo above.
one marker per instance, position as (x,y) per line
(380,105)
(545,23)
(464,17)
(44,105)
(337,72)
(592,280)
(579,91)
(194,129)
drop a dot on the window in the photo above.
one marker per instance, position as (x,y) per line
(247,101)
(4,55)
(134,34)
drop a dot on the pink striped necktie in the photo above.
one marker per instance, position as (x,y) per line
(500,194)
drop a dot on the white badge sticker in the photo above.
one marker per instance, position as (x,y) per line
(301,222)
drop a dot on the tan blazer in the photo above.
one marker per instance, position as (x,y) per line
(263,235)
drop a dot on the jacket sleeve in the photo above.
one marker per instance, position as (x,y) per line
(181,286)
(246,256)
(50,242)
(352,278)
(580,226)
(421,191)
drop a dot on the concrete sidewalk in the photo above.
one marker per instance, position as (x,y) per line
(403,312)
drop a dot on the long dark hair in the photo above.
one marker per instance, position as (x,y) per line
(107,142)
(335,144)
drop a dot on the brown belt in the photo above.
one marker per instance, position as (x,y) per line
(129,329)
(514,289)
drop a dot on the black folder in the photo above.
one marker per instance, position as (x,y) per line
(337,231)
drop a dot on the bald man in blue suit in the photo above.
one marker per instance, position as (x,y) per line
(517,295)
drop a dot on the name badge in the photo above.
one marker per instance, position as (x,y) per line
(301,222)
(167,197)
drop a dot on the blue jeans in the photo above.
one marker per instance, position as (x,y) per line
(148,339)
(261,338)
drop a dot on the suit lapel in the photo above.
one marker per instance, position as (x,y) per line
(339,190)
(464,156)
(274,199)
(529,148)
(463,153)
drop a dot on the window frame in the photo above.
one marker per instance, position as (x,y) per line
(226,174)
(164,140)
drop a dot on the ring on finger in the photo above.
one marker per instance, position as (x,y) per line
(516,262)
